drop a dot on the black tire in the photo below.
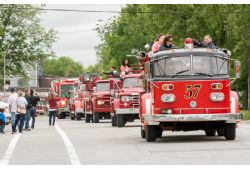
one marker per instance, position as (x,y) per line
(150,133)
(230,131)
(114,121)
(72,117)
(159,132)
(96,117)
(221,132)
(63,115)
(210,132)
(87,118)
(59,115)
(142,132)
(78,116)
(120,121)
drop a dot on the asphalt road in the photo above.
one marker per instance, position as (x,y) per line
(76,142)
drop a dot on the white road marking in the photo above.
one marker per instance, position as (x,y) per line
(10,150)
(70,148)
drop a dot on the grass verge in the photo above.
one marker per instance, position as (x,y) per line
(246,115)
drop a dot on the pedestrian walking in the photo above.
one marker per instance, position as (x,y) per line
(32,110)
(27,114)
(20,112)
(52,100)
(12,105)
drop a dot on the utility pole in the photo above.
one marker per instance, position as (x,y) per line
(4,69)
(248,53)
(4,79)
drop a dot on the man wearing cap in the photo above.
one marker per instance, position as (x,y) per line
(12,105)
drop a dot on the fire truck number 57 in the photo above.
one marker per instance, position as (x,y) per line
(192,91)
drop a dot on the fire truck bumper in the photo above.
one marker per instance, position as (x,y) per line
(79,110)
(127,111)
(101,109)
(227,117)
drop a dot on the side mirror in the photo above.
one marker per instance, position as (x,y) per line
(119,83)
(147,47)
(237,68)
(94,89)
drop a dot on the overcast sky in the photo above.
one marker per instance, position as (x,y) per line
(76,37)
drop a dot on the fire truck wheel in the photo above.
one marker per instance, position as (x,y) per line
(230,131)
(78,116)
(221,132)
(142,132)
(72,117)
(113,120)
(87,118)
(120,121)
(96,117)
(210,132)
(150,133)
(159,132)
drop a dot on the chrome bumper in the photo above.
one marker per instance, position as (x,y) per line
(127,111)
(156,119)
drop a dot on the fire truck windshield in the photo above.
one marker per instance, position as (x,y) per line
(66,89)
(132,82)
(193,65)
(102,86)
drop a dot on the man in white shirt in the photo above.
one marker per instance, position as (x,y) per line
(12,105)
(20,112)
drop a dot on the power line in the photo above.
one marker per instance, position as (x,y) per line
(73,32)
(130,12)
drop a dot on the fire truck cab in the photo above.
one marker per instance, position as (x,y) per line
(125,99)
(188,89)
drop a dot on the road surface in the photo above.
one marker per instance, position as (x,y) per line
(77,142)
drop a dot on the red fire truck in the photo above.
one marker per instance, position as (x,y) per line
(101,101)
(77,107)
(90,82)
(125,99)
(189,89)
(65,89)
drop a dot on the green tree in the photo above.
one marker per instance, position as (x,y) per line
(62,66)
(140,24)
(23,40)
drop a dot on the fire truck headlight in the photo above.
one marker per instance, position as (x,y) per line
(125,98)
(100,102)
(217,96)
(168,98)
(63,102)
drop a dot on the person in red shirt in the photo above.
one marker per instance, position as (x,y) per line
(52,100)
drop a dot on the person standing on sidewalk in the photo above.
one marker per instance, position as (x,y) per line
(52,100)
(2,119)
(27,114)
(12,105)
(20,112)
(32,110)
